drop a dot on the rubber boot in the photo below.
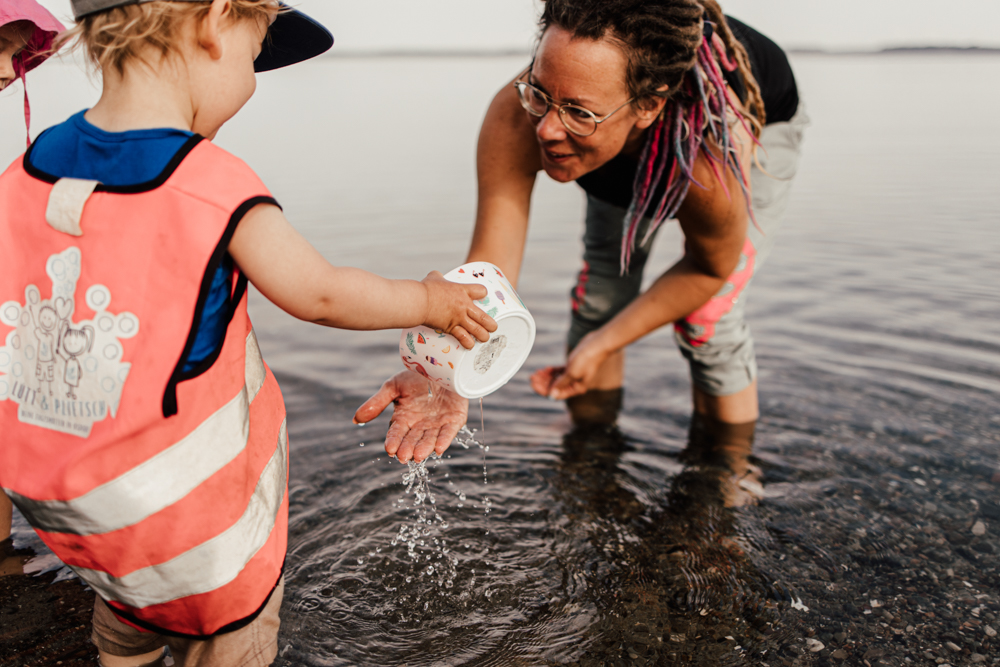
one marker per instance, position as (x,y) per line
(597,407)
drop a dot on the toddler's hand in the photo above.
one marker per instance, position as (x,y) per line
(450,308)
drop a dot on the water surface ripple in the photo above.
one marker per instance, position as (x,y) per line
(880,349)
(879,345)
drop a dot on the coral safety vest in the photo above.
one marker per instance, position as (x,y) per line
(163,487)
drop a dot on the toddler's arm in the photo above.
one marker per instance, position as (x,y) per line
(292,274)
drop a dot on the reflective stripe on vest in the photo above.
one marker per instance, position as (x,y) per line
(162,480)
(211,564)
(177,517)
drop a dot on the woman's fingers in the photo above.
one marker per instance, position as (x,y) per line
(425,446)
(421,440)
(542,380)
(445,437)
(374,406)
(410,441)
(394,437)
(567,386)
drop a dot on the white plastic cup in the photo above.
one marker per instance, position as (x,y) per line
(478,372)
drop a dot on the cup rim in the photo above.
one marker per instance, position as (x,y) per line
(503,379)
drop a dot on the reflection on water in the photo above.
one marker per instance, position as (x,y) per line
(879,343)
(877,446)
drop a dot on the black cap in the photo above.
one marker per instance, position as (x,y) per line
(293,36)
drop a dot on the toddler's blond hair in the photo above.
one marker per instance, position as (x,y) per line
(114,37)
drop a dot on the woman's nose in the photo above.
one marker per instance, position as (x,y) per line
(549,127)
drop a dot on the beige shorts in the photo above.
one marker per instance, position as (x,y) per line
(255,645)
(715,339)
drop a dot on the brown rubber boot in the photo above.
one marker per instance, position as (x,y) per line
(724,450)
(598,407)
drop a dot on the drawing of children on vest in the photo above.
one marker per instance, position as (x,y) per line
(64,375)
(46,329)
(73,343)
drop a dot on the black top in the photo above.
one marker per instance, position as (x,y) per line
(614,180)
(772,71)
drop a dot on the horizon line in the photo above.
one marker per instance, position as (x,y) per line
(794,50)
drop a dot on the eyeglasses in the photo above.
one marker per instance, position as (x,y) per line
(576,119)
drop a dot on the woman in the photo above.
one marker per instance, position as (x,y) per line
(656,108)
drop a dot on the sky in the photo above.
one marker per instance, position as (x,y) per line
(490,25)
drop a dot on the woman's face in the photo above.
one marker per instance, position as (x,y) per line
(13,38)
(590,74)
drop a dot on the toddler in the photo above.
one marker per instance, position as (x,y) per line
(144,437)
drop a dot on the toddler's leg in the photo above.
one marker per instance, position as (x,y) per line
(6,514)
(121,645)
(154,659)
(10,564)
(255,645)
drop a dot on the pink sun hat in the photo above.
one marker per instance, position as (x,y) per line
(39,45)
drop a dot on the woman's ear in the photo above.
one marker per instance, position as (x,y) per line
(210,28)
(648,110)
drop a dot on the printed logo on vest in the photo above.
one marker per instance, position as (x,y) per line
(64,375)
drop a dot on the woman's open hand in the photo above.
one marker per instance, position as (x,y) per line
(421,423)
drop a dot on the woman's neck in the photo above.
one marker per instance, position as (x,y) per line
(635,143)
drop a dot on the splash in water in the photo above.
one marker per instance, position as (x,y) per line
(425,535)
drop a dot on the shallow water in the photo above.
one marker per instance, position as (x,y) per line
(879,345)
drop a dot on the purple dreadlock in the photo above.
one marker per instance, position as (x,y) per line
(667,45)
(700,110)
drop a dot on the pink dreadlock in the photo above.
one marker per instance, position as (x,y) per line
(669,49)
(700,109)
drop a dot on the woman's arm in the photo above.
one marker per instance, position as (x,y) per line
(292,274)
(715,228)
(507,161)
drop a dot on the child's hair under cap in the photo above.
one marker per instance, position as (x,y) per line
(292,38)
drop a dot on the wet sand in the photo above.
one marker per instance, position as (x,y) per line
(41,623)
